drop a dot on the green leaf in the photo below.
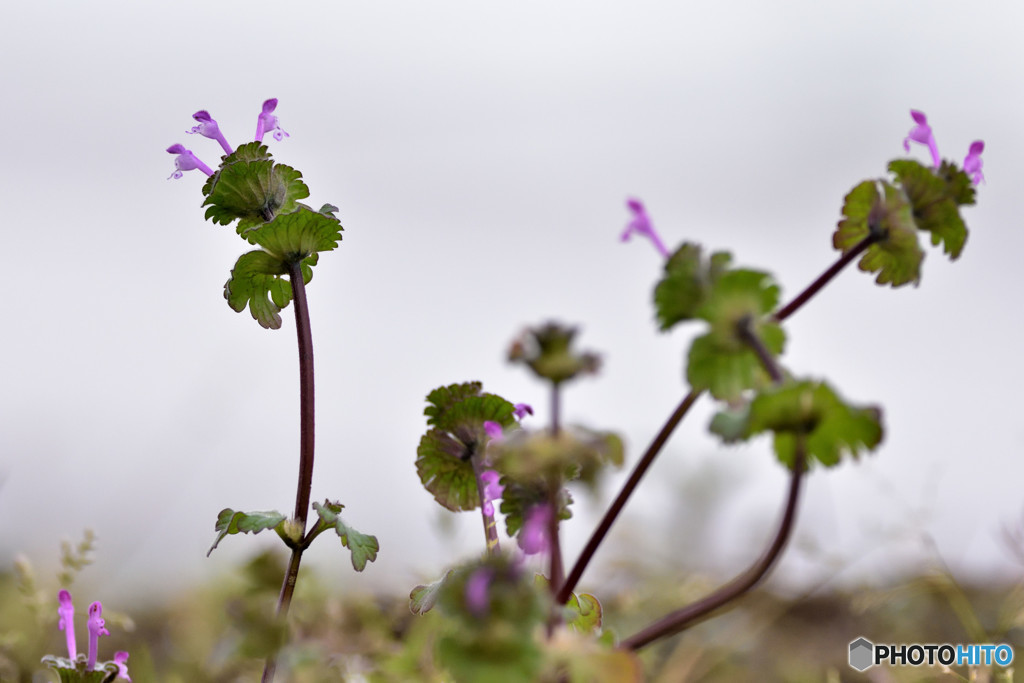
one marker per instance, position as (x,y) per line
(732,425)
(814,411)
(934,200)
(726,369)
(686,284)
(297,235)
(256,282)
(584,613)
(547,351)
(517,498)
(233,522)
(363,547)
(897,256)
(444,455)
(251,188)
(423,598)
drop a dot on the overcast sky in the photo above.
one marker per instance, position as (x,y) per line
(481,154)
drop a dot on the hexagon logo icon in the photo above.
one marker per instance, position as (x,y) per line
(861,654)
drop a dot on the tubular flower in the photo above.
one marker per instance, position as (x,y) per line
(97,627)
(267,122)
(641,225)
(972,162)
(208,128)
(121,659)
(922,133)
(533,538)
(522,410)
(492,490)
(67,621)
(186,161)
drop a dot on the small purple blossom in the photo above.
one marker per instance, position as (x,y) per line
(533,538)
(186,161)
(208,128)
(267,122)
(97,628)
(522,410)
(492,490)
(641,225)
(972,162)
(922,133)
(493,430)
(477,589)
(66,610)
(121,659)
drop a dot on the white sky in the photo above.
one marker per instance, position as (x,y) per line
(481,154)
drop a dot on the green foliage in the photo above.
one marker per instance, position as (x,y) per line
(256,282)
(935,200)
(804,410)
(584,613)
(493,640)
(897,255)
(233,522)
(547,350)
(422,598)
(518,498)
(363,547)
(444,455)
(687,284)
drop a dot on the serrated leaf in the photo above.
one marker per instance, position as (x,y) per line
(233,522)
(897,256)
(256,282)
(727,370)
(251,188)
(585,613)
(362,547)
(444,455)
(813,411)
(686,284)
(423,598)
(732,425)
(934,200)
(297,235)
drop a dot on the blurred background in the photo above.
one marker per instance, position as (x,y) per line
(481,155)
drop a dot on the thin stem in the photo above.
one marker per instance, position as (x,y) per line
(627,490)
(823,279)
(490,528)
(556,400)
(554,545)
(680,619)
(306,441)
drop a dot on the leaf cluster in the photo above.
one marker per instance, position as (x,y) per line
(890,214)
(547,351)
(263,197)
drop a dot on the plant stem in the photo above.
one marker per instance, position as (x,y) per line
(490,528)
(556,400)
(620,501)
(824,278)
(306,441)
(554,546)
(682,618)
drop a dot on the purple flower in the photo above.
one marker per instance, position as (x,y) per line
(522,410)
(972,162)
(67,621)
(492,490)
(533,538)
(493,430)
(641,225)
(121,659)
(477,587)
(97,628)
(208,128)
(267,122)
(186,161)
(922,133)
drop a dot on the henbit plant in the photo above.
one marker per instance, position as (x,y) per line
(476,452)
(492,608)
(263,197)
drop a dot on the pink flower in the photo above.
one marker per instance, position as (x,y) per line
(121,659)
(186,161)
(67,621)
(97,627)
(208,128)
(492,490)
(533,538)
(641,225)
(267,122)
(922,133)
(522,410)
(477,589)
(972,162)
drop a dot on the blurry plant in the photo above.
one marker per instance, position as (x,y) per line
(263,197)
(473,435)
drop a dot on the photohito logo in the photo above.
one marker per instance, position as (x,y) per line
(865,654)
